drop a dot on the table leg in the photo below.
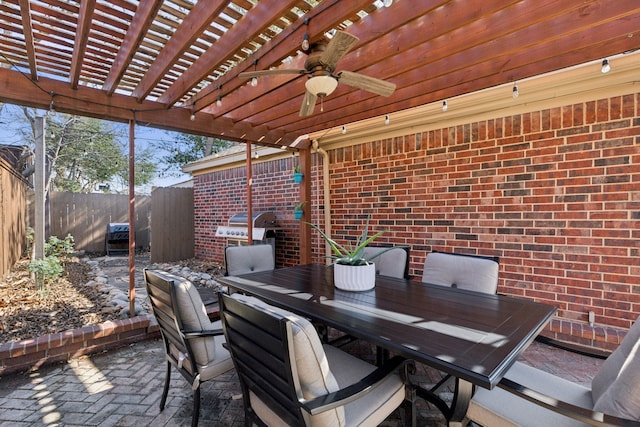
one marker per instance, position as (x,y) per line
(461,399)
(456,413)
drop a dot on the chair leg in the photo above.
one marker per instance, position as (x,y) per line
(409,415)
(196,407)
(165,391)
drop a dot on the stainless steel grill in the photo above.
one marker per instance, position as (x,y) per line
(237,232)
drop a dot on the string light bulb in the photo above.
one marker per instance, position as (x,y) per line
(387,3)
(344,129)
(193,114)
(606,67)
(445,105)
(305,39)
(52,106)
(386,119)
(515,92)
(254,82)
(219,101)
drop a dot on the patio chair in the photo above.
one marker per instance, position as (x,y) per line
(463,271)
(530,397)
(248,259)
(392,263)
(472,272)
(288,377)
(193,344)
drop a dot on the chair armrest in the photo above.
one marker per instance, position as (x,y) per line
(200,334)
(572,411)
(354,391)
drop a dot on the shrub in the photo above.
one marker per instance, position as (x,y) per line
(46,269)
(50,268)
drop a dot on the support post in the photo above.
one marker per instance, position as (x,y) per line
(40,194)
(305,195)
(132,222)
(249,195)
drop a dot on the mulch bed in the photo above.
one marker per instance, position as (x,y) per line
(26,312)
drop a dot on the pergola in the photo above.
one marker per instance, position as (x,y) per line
(158,62)
(175,64)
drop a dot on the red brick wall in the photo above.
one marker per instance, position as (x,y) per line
(219,195)
(554,193)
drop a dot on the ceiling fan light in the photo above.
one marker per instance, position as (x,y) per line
(321,86)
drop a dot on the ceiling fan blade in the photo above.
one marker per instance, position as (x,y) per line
(370,84)
(262,73)
(340,44)
(308,104)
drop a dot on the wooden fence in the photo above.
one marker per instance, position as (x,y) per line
(172,224)
(86,217)
(13,216)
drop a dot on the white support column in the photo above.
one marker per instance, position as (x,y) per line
(39,178)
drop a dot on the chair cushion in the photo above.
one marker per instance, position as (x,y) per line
(616,387)
(374,407)
(194,318)
(498,407)
(248,259)
(315,377)
(474,273)
(391,263)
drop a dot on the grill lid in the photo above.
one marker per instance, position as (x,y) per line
(266,219)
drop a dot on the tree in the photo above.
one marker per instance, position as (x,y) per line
(186,148)
(83,153)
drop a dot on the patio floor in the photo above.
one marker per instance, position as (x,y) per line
(123,387)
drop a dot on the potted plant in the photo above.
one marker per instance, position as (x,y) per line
(297,174)
(351,270)
(298,211)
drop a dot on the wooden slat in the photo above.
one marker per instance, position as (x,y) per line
(82,38)
(253,23)
(140,24)
(193,25)
(28,38)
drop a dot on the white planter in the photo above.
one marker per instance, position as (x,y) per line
(354,277)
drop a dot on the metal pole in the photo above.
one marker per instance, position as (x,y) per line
(132,222)
(40,161)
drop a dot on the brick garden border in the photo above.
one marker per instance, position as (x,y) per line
(33,353)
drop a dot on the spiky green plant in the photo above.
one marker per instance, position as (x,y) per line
(354,254)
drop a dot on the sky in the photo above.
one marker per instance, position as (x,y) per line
(11,125)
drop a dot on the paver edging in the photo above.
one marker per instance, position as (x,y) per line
(33,353)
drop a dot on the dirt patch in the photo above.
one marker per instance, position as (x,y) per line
(26,312)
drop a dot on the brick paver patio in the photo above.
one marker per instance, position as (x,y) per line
(122,388)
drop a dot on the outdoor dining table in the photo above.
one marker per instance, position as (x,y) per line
(474,337)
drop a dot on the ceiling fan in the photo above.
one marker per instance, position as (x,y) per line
(320,66)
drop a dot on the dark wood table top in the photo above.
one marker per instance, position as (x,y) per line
(470,335)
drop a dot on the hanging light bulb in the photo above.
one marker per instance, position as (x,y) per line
(193,114)
(515,93)
(219,101)
(254,82)
(344,129)
(52,107)
(387,3)
(606,67)
(305,39)
(445,105)
(386,119)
